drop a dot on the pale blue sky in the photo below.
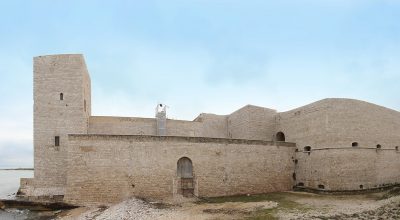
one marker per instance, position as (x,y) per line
(199,56)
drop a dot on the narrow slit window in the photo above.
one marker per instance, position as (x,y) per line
(61,96)
(84,105)
(57,141)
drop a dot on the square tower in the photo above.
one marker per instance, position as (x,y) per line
(62,106)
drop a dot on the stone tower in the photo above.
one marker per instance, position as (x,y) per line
(62,106)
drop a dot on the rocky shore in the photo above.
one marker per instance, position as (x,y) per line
(286,205)
(289,205)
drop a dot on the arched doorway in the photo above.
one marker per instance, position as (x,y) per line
(280,136)
(185,176)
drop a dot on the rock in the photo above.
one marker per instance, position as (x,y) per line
(2,206)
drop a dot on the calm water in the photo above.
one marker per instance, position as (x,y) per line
(9,181)
(9,184)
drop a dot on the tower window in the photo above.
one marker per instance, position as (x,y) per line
(61,96)
(307,148)
(378,146)
(354,144)
(57,141)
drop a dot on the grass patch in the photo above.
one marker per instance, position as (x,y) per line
(390,193)
(277,197)
(285,201)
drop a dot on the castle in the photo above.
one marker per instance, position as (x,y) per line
(330,145)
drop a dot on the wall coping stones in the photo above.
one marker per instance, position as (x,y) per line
(347,148)
(148,138)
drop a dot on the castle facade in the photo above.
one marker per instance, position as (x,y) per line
(329,145)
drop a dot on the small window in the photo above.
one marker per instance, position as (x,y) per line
(280,136)
(321,186)
(300,184)
(57,141)
(354,144)
(361,187)
(307,148)
(397,148)
(378,146)
(61,96)
(294,176)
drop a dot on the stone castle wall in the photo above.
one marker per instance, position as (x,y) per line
(212,125)
(344,169)
(354,145)
(253,123)
(337,123)
(106,168)
(122,125)
(208,126)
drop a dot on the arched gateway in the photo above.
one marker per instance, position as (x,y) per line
(185,175)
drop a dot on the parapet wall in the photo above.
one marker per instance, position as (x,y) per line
(122,125)
(342,169)
(109,168)
(252,122)
(214,126)
(337,123)
(207,126)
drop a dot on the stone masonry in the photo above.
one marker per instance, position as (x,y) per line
(329,145)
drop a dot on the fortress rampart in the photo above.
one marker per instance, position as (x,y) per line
(145,166)
(347,169)
(329,145)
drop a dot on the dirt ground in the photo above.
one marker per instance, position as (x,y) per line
(285,205)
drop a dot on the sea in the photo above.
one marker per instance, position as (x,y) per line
(9,181)
(9,184)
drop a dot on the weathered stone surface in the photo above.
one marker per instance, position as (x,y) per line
(123,166)
(353,145)
(53,75)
